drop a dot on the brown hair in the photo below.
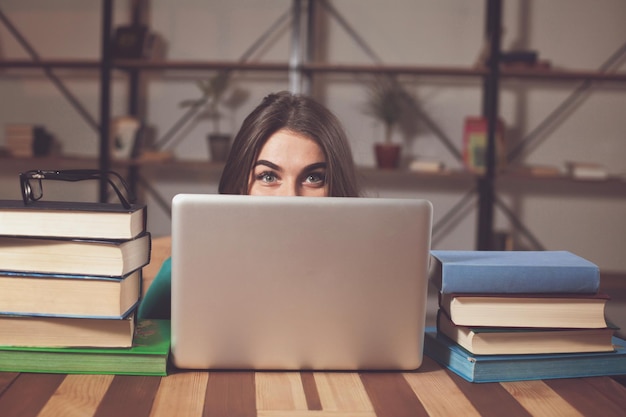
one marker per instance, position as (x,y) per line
(299,114)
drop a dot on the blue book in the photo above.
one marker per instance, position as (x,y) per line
(501,368)
(513,272)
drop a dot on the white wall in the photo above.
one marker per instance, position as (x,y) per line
(571,34)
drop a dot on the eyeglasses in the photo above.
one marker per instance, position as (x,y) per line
(32,189)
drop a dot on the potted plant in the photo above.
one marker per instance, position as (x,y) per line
(214,96)
(387,102)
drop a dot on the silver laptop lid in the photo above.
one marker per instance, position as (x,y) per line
(298,283)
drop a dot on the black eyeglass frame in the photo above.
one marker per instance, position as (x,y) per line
(72,175)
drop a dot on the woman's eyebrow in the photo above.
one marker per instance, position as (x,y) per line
(315,166)
(268,164)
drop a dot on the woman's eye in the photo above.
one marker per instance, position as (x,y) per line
(266,177)
(315,178)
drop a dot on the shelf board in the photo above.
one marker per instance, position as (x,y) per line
(51,63)
(309,67)
(197,65)
(158,65)
(561,74)
(560,178)
(395,69)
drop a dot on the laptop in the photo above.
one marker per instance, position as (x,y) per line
(299,283)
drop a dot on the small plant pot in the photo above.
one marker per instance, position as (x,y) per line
(387,155)
(219,146)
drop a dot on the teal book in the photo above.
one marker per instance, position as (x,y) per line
(503,368)
(513,272)
(148,355)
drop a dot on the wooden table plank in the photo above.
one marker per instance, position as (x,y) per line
(540,400)
(584,397)
(77,396)
(430,391)
(610,389)
(230,394)
(489,399)
(28,394)
(181,394)
(438,393)
(279,391)
(6,379)
(129,396)
(342,391)
(310,391)
(391,395)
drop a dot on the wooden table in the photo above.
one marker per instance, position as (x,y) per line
(430,391)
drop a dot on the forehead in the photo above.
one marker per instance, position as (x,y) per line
(287,143)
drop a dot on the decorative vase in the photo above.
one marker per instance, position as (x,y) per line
(387,155)
(219,146)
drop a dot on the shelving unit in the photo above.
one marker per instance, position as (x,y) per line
(491,76)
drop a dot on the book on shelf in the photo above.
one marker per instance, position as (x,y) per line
(71,219)
(52,331)
(74,256)
(475,144)
(147,356)
(426,166)
(27,140)
(526,310)
(129,42)
(537,170)
(513,272)
(502,368)
(586,170)
(69,295)
(516,340)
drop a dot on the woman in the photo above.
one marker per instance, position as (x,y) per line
(290,145)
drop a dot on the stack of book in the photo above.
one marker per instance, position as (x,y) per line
(26,140)
(506,315)
(70,284)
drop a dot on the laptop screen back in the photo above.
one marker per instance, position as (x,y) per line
(298,283)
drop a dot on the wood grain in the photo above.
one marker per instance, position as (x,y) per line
(610,389)
(438,393)
(181,394)
(77,396)
(584,397)
(391,395)
(489,399)
(28,394)
(343,391)
(539,399)
(429,391)
(279,391)
(310,391)
(230,394)
(6,379)
(129,396)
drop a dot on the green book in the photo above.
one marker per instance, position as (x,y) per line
(148,355)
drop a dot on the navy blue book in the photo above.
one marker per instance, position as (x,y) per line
(501,368)
(513,272)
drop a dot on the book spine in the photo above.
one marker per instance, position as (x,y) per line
(516,280)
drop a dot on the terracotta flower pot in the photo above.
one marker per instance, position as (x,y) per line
(219,146)
(387,155)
